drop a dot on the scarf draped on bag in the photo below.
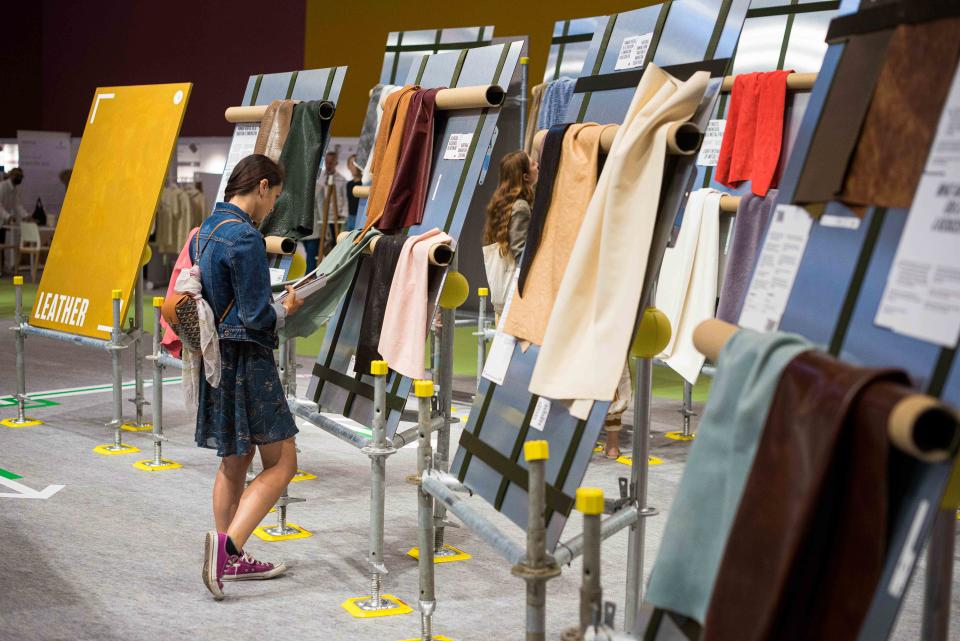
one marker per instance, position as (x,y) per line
(188,282)
(292,215)
(592,321)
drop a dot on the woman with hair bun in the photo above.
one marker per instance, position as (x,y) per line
(248,410)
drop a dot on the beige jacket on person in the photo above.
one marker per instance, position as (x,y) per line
(591,325)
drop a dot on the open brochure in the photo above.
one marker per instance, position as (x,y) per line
(309,284)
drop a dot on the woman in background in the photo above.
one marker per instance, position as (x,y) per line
(508,217)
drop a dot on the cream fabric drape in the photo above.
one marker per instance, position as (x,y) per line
(687,287)
(591,325)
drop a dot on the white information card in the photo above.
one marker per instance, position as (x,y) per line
(458,146)
(712,139)
(242,145)
(501,348)
(633,52)
(922,295)
(776,268)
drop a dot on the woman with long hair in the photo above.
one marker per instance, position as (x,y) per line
(248,410)
(508,216)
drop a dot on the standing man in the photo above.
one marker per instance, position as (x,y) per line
(337,211)
(11,207)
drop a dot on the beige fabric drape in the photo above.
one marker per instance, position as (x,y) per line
(536,98)
(591,325)
(573,185)
(274,128)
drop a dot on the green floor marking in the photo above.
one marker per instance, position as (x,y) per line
(32,403)
(9,475)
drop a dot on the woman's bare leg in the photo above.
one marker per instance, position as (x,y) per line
(228,487)
(279,466)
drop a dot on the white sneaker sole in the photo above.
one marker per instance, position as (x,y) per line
(209,565)
(277,570)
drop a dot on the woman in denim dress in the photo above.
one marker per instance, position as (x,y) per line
(248,411)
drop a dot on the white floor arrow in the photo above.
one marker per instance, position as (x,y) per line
(21,491)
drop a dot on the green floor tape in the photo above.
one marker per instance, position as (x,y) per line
(9,475)
(666,383)
(32,403)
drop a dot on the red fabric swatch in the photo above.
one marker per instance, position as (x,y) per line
(754,134)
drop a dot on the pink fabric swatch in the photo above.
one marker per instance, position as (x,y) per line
(171,342)
(405,322)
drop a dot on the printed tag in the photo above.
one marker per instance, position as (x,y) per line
(633,52)
(840,222)
(712,139)
(776,269)
(458,146)
(539,419)
(352,367)
(242,145)
(277,275)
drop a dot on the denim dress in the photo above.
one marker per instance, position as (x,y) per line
(249,407)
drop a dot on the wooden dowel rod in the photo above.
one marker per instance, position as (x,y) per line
(729,204)
(477,97)
(255,113)
(683,138)
(361,191)
(909,423)
(280,245)
(795,82)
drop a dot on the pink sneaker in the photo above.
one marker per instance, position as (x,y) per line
(215,559)
(247,568)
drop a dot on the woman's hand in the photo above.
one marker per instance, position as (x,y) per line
(291,303)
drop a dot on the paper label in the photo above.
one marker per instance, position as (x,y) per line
(633,52)
(277,275)
(242,145)
(458,146)
(922,295)
(776,269)
(352,367)
(840,222)
(501,348)
(908,556)
(712,139)
(539,419)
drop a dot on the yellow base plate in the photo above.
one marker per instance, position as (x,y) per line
(127,449)
(132,427)
(262,534)
(167,465)
(12,422)
(303,476)
(628,460)
(678,436)
(436,637)
(459,555)
(350,605)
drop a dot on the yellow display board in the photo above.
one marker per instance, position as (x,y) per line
(105,221)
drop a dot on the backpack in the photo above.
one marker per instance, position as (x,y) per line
(180,310)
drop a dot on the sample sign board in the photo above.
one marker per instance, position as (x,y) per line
(105,221)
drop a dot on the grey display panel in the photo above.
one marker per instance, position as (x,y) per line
(489,459)
(405,48)
(451,189)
